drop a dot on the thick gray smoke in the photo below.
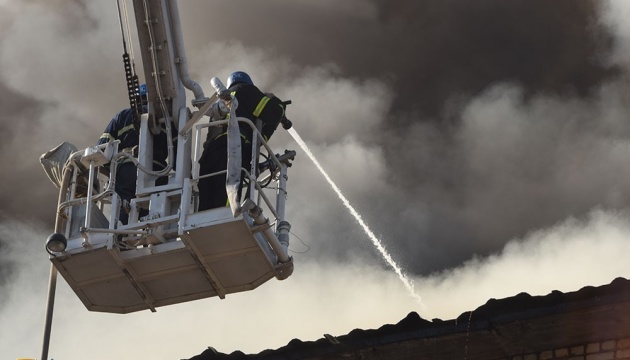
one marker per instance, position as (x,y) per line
(466,118)
(400,78)
(479,140)
(431,51)
(485,112)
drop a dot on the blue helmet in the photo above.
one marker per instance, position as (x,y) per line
(143,90)
(238,77)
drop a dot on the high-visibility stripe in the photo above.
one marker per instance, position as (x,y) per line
(259,109)
(261,105)
(225,133)
(108,137)
(125,129)
(282,108)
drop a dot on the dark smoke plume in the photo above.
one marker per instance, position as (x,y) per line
(432,50)
(433,56)
(481,141)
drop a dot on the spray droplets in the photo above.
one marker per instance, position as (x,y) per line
(377,243)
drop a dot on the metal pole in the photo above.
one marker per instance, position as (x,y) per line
(180,52)
(281,192)
(90,193)
(50,304)
(52,281)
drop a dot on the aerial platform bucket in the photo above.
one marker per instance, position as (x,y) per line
(216,255)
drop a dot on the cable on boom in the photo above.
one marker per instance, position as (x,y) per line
(133,84)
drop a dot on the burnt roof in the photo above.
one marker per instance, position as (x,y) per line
(519,324)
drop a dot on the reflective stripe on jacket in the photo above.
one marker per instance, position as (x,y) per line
(254,104)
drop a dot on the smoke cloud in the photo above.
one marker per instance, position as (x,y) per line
(321,297)
(481,141)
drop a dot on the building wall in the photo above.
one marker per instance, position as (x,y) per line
(605,350)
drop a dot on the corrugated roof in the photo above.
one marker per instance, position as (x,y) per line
(516,325)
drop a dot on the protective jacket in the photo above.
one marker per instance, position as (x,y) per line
(253,104)
(122,128)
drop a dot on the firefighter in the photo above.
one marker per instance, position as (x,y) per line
(124,126)
(252,104)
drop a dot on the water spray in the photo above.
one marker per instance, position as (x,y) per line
(377,243)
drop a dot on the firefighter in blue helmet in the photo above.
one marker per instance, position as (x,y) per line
(252,104)
(124,126)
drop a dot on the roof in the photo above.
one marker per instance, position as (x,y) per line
(520,324)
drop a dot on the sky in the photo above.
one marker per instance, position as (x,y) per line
(484,143)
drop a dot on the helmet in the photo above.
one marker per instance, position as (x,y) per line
(238,77)
(143,90)
(144,97)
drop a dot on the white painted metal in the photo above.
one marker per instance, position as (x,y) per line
(214,248)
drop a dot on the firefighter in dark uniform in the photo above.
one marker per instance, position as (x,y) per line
(252,104)
(125,127)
